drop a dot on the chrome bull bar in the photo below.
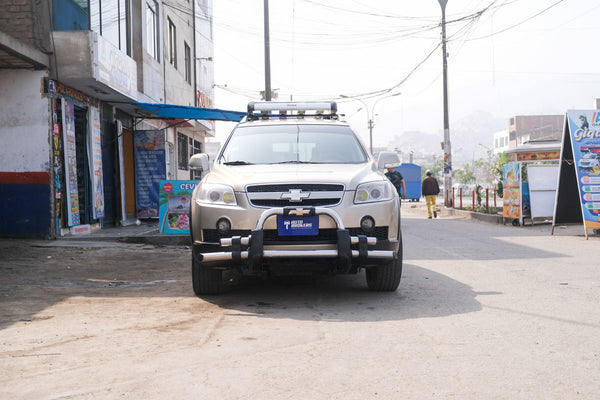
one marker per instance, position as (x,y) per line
(254,242)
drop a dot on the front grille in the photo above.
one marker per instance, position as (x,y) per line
(305,187)
(295,194)
(325,236)
(285,203)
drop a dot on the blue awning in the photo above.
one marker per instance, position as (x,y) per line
(169,111)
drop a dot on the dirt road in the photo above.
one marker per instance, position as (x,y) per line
(484,311)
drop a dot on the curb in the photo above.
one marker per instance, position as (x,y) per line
(498,219)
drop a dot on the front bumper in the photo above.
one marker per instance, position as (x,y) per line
(251,252)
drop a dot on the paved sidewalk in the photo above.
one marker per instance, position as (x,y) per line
(147,232)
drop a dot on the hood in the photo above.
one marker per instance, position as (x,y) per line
(239,176)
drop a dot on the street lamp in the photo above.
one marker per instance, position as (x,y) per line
(371,116)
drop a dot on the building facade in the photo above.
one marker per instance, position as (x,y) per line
(78,152)
(530,128)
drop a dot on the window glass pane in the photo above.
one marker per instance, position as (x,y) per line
(70,15)
(289,143)
(172,44)
(151,29)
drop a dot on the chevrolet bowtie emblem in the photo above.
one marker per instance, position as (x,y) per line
(299,212)
(295,195)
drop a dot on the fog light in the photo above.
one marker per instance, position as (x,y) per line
(367,224)
(223,226)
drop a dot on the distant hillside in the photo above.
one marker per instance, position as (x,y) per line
(466,135)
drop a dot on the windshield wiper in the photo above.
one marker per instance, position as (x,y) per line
(294,162)
(239,162)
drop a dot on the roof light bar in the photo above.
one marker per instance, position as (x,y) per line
(285,106)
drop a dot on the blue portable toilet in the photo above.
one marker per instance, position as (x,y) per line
(412,178)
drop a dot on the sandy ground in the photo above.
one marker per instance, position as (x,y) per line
(484,311)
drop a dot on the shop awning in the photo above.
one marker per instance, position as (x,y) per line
(173,111)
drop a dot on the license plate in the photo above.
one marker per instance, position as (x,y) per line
(295,226)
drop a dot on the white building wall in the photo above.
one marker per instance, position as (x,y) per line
(501,141)
(24,122)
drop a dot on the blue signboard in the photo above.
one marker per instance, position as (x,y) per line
(584,128)
(150,169)
(175,200)
(292,226)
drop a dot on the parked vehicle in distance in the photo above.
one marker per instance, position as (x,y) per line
(293,191)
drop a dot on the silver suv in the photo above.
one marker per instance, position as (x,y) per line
(293,191)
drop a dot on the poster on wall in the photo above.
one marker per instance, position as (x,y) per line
(95,162)
(70,162)
(512,191)
(121,172)
(150,169)
(175,200)
(581,146)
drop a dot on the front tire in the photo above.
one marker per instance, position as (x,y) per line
(386,278)
(206,280)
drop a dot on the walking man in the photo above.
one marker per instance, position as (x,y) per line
(397,180)
(430,190)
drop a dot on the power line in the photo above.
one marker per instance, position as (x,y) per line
(518,23)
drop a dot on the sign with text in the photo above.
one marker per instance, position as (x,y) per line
(150,169)
(175,200)
(95,162)
(70,162)
(579,173)
(512,191)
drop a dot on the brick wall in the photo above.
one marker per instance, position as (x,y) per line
(16,19)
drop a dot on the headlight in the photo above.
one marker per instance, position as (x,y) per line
(371,192)
(214,193)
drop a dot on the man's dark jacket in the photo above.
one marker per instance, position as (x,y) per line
(430,186)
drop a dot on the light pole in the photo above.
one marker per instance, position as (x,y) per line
(371,116)
(447,146)
(267,53)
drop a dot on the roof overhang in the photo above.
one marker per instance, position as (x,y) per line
(177,112)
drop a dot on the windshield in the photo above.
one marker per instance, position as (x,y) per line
(278,144)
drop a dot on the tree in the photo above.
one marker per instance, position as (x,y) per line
(465,175)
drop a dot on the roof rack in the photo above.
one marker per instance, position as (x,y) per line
(284,110)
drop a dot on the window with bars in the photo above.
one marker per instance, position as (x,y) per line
(182,151)
(186,147)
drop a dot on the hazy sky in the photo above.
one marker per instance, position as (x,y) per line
(506,57)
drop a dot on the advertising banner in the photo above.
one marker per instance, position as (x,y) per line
(95,162)
(584,130)
(150,169)
(123,210)
(175,200)
(70,162)
(512,191)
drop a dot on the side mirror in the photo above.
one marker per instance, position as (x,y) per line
(198,166)
(388,159)
(199,161)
